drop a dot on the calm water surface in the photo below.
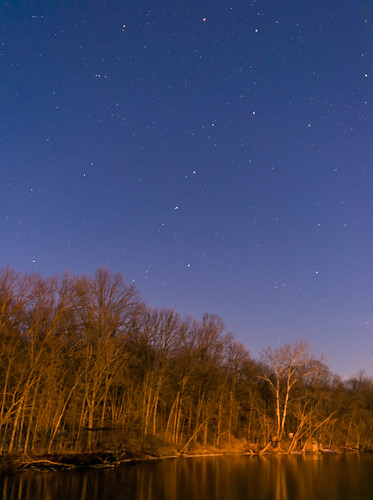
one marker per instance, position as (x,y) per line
(210,478)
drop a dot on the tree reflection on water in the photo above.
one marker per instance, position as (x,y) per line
(206,478)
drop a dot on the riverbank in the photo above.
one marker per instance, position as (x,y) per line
(19,462)
(53,462)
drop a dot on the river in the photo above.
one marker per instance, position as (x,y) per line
(328,477)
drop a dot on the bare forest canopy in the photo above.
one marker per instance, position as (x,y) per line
(85,364)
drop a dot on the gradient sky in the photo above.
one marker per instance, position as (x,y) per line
(217,153)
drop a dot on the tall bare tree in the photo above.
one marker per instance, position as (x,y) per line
(284,367)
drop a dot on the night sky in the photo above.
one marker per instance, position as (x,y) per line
(217,153)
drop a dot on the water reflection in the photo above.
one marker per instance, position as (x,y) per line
(218,478)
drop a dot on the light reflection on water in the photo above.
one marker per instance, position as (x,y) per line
(207,478)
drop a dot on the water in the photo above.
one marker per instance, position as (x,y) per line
(339,477)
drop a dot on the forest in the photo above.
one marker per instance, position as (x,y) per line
(86,365)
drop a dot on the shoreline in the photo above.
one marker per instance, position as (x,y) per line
(55,462)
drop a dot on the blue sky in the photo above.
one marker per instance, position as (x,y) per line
(219,154)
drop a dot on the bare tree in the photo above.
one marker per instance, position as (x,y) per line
(284,368)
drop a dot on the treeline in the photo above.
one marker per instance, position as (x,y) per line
(84,365)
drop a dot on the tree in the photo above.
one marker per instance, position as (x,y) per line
(284,367)
(106,309)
